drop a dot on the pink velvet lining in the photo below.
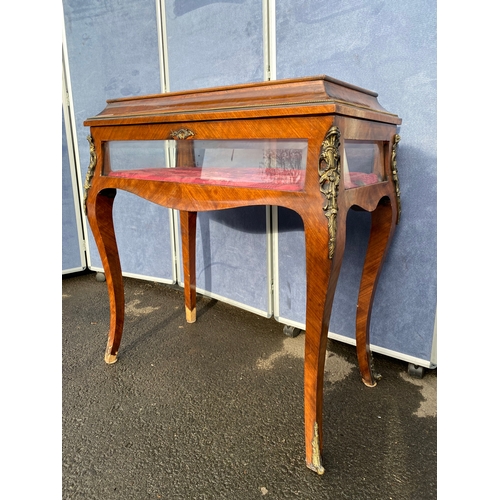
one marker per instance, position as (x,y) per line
(285,180)
(358,179)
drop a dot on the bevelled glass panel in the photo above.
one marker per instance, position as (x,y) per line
(363,163)
(256,163)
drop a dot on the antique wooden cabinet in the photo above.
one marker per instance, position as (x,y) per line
(314,145)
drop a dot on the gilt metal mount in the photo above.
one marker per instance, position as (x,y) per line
(329,179)
(316,454)
(90,172)
(395,178)
(182,133)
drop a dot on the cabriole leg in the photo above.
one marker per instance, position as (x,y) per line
(188,234)
(382,229)
(100,216)
(322,277)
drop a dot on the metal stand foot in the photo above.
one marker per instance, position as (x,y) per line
(415,370)
(291,331)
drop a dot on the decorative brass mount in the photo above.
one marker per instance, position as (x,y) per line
(395,178)
(90,172)
(316,455)
(329,179)
(182,133)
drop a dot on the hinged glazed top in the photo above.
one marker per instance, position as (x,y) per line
(302,96)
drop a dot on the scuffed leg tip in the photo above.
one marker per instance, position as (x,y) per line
(373,381)
(110,358)
(190,315)
(320,470)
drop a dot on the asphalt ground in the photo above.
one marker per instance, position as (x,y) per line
(214,409)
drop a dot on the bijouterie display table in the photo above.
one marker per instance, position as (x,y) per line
(314,145)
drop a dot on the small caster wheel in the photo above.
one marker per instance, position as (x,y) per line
(100,277)
(415,370)
(291,331)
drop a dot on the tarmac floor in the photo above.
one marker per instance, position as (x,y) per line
(214,410)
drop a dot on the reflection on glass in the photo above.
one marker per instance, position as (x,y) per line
(363,163)
(274,164)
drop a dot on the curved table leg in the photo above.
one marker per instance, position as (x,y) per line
(322,276)
(100,216)
(188,234)
(382,229)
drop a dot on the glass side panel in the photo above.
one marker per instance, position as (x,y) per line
(260,163)
(363,163)
(133,155)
